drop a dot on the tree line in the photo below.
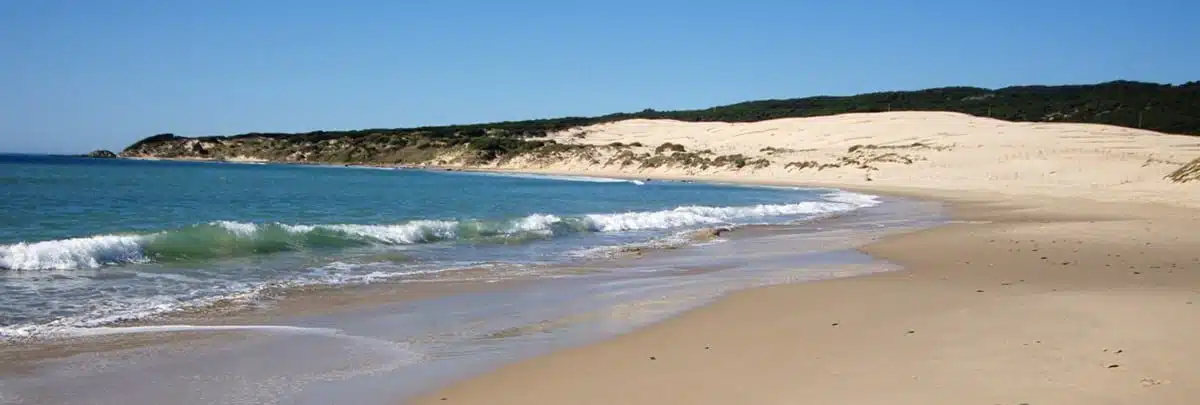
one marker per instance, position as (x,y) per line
(1159,107)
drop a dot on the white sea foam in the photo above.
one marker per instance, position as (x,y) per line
(858,200)
(75,253)
(702,215)
(102,250)
(408,233)
(105,330)
(118,309)
(534,223)
(240,229)
(297,228)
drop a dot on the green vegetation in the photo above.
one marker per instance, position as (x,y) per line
(669,147)
(101,154)
(1188,172)
(688,159)
(1165,108)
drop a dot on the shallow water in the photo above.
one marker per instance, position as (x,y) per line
(383,351)
(91,242)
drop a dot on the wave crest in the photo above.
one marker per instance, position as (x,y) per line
(223,239)
(72,253)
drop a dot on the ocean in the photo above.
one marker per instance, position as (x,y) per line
(126,281)
(97,242)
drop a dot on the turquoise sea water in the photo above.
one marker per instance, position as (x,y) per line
(88,242)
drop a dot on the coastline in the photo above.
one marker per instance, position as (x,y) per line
(1017,301)
(1065,275)
(438,327)
(1019,293)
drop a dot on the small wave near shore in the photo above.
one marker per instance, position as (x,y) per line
(221,239)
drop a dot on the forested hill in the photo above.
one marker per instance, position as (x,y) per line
(1158,107)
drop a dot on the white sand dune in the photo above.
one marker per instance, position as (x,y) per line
(934,151)
(1034,295)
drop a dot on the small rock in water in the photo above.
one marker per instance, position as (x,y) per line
(708,233)
(102,154)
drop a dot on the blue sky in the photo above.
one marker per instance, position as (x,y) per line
(80,75)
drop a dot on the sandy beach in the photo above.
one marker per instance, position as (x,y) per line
(999,263)
(1069,275)
(648,203)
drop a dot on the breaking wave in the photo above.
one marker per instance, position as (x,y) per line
(223,239)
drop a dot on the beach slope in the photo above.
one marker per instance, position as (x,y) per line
(1063,302)
(1070,275)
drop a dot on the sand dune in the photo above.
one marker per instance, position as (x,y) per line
(914,150)
(1071,276)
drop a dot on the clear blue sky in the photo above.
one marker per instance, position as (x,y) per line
(86,74)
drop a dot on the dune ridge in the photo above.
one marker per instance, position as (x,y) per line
(1069,274)
(906,150)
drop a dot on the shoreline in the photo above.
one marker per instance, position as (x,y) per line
(246,302)
(586,310)
(905,192)
(1011,302)
(1066,273)
(752,179)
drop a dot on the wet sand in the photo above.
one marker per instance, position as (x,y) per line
(1032,300)
(376,343)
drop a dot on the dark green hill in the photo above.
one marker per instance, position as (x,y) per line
(1159,107)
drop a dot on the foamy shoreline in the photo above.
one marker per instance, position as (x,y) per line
(152,247)
(615,295)
(1062,279)
(1068,275)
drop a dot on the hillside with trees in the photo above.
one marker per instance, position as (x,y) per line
(1159,107)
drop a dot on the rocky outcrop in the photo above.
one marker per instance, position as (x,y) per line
(101,154)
